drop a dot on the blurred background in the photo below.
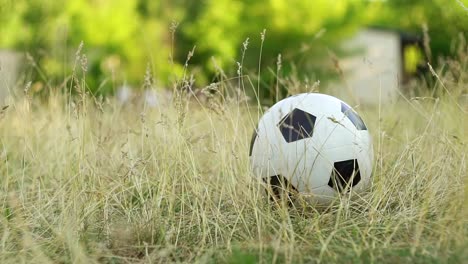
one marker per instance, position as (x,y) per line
(373,48)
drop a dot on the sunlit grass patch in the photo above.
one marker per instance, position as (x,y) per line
(85,180)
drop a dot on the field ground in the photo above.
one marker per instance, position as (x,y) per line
(93,181)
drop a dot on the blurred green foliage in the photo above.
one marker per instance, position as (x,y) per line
(446,21)
(122,38)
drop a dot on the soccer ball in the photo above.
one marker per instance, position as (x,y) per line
(312,144)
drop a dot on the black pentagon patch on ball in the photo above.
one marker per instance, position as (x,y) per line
(281,188)
(297,125)
(345,174)
(353,117)
(252,142)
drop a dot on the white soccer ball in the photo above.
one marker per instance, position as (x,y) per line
(314,143)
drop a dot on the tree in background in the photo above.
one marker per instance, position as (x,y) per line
(124,38)
(301,31)
(120,43)
(446,20)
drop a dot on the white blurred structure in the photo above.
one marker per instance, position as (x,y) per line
(124,94)
(152,99)
(157,97)
(149,97)
(10,63)
(373,70)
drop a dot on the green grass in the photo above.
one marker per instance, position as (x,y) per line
(96,182)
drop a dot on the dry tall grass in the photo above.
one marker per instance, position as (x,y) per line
(93,181)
